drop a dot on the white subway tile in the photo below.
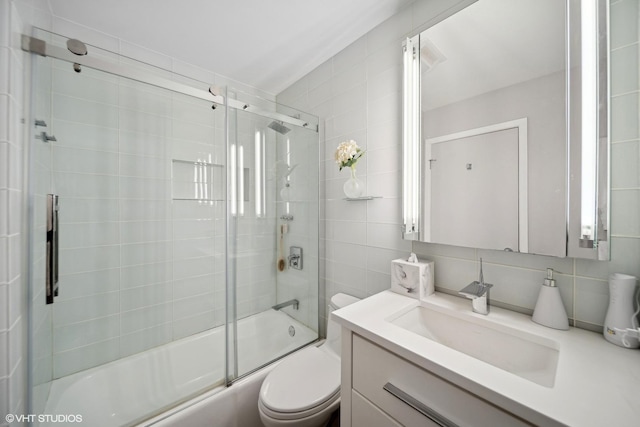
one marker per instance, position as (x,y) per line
(185,288)
(85,112)
(625,253)
(624,70)
(144,318)
(85,308)
(319,75)
(144,188)
(353,98)
(386,236)
(145,296)
(592,300)
(85,136)
(89,283)
(384,83)
(84,333)
(348,78)
(84,210)
(89,234)
(350,56)
(145,99)
(144,144)
(193,305)
(90,86)
(383,160)
(624,16)
(385,184)
(625,165)
(139,341)
(83,185)
(145,253)
(150,125)
(624,117)
(343,124)
(625,205)
(79,359)
(142,275)
(145,231)
(89,259)
(194,324)
(192,267)
(15,293)
(84,161)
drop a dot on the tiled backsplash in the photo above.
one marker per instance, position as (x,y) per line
(358,95)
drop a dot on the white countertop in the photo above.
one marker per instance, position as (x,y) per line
(597,383)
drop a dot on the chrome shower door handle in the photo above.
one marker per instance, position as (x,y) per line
(51,277)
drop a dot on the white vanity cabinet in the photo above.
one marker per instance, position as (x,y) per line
(380,388)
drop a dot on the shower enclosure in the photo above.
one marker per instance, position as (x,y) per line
(173,234)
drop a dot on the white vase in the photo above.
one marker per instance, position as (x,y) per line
(353,188)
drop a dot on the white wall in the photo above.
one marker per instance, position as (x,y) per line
(357,95)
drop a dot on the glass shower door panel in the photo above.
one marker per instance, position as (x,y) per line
(138,172)
(265,176)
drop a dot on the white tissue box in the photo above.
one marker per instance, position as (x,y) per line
(412,279)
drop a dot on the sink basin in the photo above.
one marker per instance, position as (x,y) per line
(526,355)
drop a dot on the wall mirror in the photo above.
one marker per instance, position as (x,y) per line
(505,128)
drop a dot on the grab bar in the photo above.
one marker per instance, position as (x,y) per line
(418,406)
(294,302)
(51,278)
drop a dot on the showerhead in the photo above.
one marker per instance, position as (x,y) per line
(278,127)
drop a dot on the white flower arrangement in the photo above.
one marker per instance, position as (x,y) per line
(348,153)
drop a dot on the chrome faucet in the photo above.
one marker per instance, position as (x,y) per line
(294,302)
(478,292)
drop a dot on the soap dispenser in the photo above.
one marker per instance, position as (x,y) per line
(549,310)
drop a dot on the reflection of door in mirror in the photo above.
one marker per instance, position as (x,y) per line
(474,191)
(494,62)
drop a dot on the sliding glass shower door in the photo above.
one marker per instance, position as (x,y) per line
(173,236)
(273,238)
(139,176)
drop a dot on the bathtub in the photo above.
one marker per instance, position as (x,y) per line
(130,390)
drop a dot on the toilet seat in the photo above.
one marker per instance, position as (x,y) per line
(304,384)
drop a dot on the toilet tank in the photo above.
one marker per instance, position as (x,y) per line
(333,329)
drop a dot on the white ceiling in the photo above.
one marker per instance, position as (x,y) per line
(267,44)
(492,45)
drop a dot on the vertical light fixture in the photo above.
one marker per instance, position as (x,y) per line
(233,172)
(411,139)
(260,178)
(589,122)
(241,181)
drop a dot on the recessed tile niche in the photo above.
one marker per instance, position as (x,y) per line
(197,181)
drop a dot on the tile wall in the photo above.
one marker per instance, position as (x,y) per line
(357,95)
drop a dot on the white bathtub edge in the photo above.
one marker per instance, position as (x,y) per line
(234,406)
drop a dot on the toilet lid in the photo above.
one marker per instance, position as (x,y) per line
(303,381)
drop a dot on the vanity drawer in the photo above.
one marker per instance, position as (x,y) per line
(409,387)
(364,413)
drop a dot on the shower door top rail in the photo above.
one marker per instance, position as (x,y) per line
(42,48)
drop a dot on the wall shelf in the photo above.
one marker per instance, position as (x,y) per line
(355,199)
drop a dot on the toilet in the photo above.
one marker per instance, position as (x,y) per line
(304,389)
